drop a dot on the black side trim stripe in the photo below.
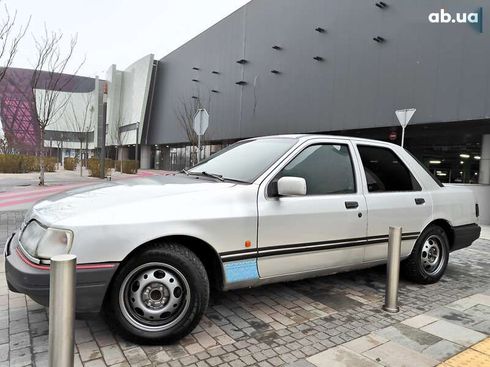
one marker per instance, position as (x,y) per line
(240,257)
(362,239)
(309,246)
(265,253)
(381,240)
(238,252)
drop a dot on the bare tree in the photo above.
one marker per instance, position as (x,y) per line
(10,37)
(4,146)
(185,112)
(81,121)
(49,81)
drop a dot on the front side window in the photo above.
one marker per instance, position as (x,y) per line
(385,171)
(327,169)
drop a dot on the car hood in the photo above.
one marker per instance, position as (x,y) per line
(86,199)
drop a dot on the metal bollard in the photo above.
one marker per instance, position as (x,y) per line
(393,269)
(62,310)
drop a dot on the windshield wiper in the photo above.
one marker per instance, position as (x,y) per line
(207,174)
(235,180)
(183,170)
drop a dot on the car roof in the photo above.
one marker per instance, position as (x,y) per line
(306,137)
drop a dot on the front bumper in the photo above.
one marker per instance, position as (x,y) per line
(465,235)
(23,276)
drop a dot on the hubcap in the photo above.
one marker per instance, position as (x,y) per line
(154,296)
(432,255)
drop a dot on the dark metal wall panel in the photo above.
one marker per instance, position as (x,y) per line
(440,69)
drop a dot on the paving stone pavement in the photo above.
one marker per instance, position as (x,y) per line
(275,325)
(455,335)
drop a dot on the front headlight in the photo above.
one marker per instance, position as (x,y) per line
(39,242)
(30,237)
(54,242)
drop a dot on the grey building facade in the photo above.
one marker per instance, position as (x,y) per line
(336,66)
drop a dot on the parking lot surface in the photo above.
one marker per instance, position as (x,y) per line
(275,325)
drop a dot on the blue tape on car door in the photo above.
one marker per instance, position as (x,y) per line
(239,271)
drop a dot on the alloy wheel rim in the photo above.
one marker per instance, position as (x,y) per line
(432,255)
(154,296)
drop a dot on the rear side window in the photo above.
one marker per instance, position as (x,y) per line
(385,171)
(436,180)
(327,169)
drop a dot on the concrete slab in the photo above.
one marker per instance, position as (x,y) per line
(480,311)
(420,321)
(482,327)
(481,299)
(443,350)
(392,354)
(476,317)
(454,333)
(408,336)
(301,363)
(468,318)
(462,304)
(365,343)
(465,303)
(341,357)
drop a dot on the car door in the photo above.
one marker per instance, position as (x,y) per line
(394,197)
(327,227)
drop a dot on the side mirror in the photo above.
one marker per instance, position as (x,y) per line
(291,186)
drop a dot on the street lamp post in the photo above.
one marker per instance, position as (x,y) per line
(86,149)
(136,146)
(61,153)
(102,151)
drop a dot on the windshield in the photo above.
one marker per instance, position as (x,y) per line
(245,161)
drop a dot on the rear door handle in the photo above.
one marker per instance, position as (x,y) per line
(419,201)
(351,204)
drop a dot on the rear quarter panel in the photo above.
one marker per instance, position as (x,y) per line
(454,204)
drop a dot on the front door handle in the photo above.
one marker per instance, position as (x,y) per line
(419,201)
(351,204)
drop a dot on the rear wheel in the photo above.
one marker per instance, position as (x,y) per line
(159,295)
(429,258)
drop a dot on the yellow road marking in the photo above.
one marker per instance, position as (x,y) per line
(483,346)
(476,356)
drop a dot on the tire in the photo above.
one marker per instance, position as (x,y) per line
(158,296)
(429,258)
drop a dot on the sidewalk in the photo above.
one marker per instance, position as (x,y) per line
(485,232)
(456,334)
(20,190)
(9,181)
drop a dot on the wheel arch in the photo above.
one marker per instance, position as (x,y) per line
(446,226)
(202,249)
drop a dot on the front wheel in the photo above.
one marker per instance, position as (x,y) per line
(159,295)
(429,258)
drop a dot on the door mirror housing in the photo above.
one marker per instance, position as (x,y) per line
(291,186)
